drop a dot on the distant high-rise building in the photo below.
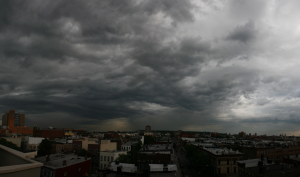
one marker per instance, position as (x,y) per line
(19,119)
(148,128)
(242,135)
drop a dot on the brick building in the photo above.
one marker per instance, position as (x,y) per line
(19,119)
(50,134)
(66,165)
(242,135)
(224,162)
(94,150)
(188,135)
(10,117)
(273,152)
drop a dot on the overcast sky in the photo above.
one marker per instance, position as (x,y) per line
(224,66)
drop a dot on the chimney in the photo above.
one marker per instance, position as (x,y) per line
(64,163)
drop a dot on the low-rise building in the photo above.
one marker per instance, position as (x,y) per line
(127,146)
(108,157)
(33,143)
(48,133)
(64,165)
(267,168)
(223,161)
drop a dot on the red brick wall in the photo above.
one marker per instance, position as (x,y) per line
(187,135)
(51,134)
(73,170)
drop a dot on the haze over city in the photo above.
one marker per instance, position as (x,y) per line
(218,66)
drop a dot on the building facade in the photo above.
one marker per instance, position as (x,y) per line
(66,165)
(148,128)
(107,157)
(19,119)
(50,134)
(223,162)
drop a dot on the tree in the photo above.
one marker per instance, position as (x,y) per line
(124,158)
(148,140)
(44,148)
(84,153)
(9,144)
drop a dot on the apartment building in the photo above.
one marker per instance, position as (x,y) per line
(223,161)
(32,143)
(57,147)
(64,165)
(271,152)
(107,145)
(107,157)
(84,143)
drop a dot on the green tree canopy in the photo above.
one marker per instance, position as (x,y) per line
(44,148)
(149,140)
(9,144)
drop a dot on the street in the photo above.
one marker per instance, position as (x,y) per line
(183,165)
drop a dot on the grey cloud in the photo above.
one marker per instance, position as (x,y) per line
(92,63)
(243,33)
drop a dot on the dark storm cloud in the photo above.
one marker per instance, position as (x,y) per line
(127,62)
(243,33)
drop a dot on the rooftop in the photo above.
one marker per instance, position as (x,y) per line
(219,151)
(56,160)
(254,162)
(131,168)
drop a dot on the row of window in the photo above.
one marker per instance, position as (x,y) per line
(228,162)
(126,148)
(103,158)
(96,151)
(47,173)
(228,170)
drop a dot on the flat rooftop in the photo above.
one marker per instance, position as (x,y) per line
(219,151)
(56,160)
(131,168)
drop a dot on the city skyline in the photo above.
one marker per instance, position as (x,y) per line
(217,66)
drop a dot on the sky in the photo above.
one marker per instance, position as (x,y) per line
(211,65)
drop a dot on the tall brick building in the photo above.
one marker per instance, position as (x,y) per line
(11,128)
(19,119)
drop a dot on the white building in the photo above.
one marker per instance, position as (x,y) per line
(107,157)
(33,142)
(127,146)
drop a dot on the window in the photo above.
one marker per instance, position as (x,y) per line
(234,169)
(101,166)
(104,158)
(101,158)
(219,162)
(104,165)
(234,161)
(112,158)
(74,145)
(227,162)
(219,170)
(227,169)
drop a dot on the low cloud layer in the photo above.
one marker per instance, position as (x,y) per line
(120,65)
